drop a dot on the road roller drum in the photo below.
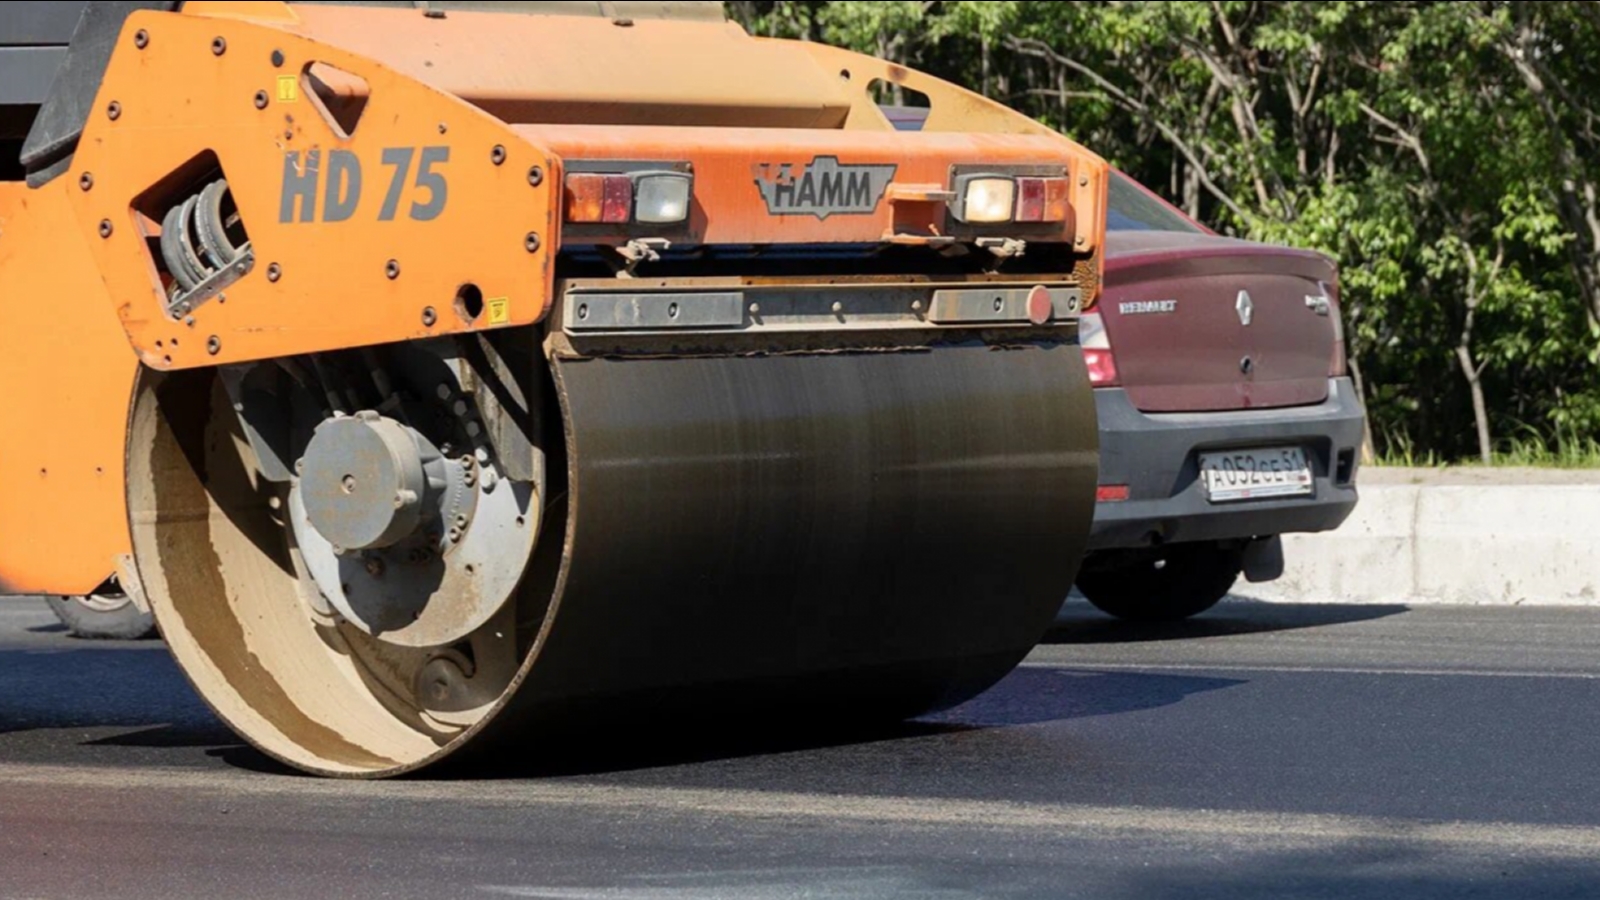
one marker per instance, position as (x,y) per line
(446,395)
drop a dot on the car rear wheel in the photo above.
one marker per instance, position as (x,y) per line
(1174,583)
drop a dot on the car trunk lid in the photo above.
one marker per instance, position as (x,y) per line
(1201,323)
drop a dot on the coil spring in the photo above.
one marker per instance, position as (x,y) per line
(201,236)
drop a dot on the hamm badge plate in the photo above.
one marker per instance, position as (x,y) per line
(824,188)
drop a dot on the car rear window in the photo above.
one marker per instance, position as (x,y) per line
(1135,209)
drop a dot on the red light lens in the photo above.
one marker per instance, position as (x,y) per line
(617,207)
(1042,199)
(585,197)
(1041,307)
(1097,350)
(599,199)
(1113,493)
(1102,367)
(1339,365)
(1030,199)
(1057,206)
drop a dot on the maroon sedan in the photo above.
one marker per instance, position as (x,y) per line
(1226,415)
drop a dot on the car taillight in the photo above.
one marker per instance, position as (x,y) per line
(1339,365)
(996,199)
(646,198)
(1097,350)
(1113,493)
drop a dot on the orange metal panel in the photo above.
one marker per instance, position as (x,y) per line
(266,10)
(952,109)
(589,72)
(529,68)
(436,197)
(730,171)
(447,197)
(65,380)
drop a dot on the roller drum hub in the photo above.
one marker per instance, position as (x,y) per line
(411,547)
(364,481)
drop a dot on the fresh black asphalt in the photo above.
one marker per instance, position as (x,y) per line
(1260,751)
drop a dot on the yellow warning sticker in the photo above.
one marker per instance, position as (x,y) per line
(500,311)
(288,89)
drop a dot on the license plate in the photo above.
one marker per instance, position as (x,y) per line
(1256,474)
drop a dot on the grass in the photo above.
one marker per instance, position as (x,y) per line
(1583,454)
(1571,452)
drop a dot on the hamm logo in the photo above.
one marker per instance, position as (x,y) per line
(824,188)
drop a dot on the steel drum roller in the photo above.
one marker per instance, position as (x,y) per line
(861,535)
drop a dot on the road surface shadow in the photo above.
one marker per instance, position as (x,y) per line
(96,684)
(137,694)
(63,699)
(1028,696)
(1040,695)
(1080,623)
(1370,869)
(1351,870)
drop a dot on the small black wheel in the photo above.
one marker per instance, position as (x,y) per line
(1177,582)
(108,615)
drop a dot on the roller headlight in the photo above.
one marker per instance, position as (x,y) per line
(986,199)
(661,198)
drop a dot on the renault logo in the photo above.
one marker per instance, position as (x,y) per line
(1246,308)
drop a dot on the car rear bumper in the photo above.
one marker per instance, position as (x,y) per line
(1158,457)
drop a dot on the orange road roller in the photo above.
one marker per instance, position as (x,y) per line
(452,379)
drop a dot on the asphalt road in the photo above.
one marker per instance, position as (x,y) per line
(1261,751)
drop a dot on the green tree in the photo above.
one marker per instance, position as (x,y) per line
(1443,152)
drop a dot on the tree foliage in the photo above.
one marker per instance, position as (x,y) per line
(1447,154)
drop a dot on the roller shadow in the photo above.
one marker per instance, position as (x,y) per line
(129,686)
(1039,696)
(99,685)
(1029,696)
(63,687)
(1080,623)
(59,687)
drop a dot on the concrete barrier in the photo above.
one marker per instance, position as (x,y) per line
(1482,537)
